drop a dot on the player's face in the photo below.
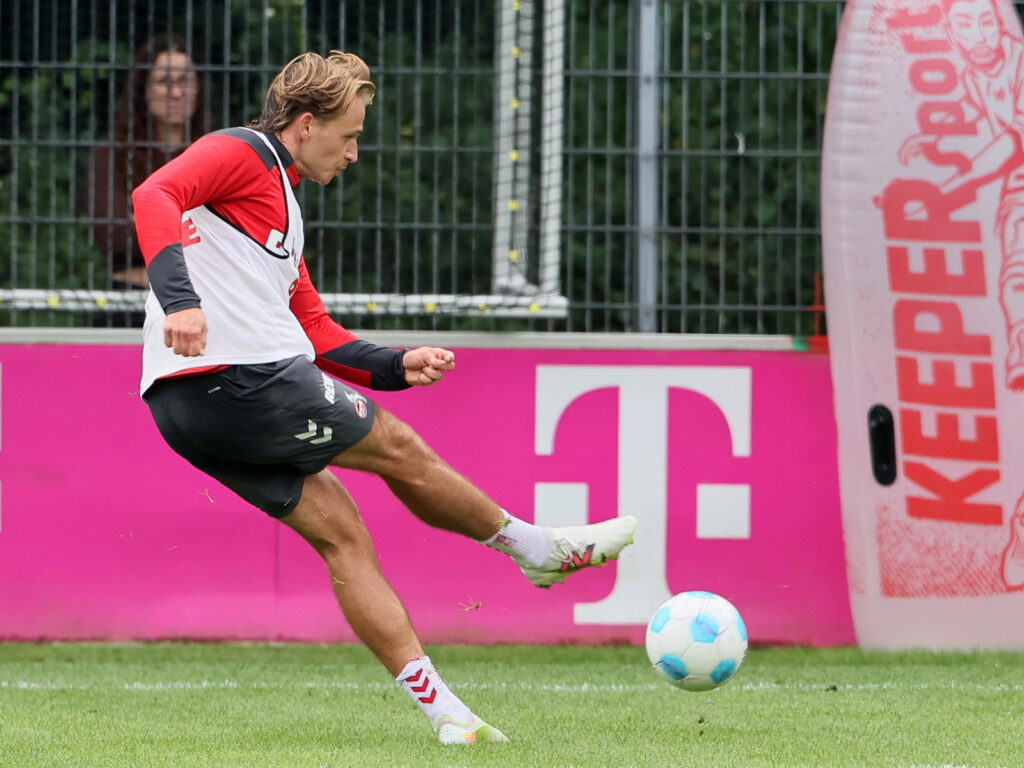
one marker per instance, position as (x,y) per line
(332,144)
(974,27)
(171,88)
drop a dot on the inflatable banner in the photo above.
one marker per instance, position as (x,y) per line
(923,237)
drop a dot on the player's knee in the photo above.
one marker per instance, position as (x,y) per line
(324,500)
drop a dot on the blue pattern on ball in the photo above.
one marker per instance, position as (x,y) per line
(723,671)
(673,666)
(702,594)
(660,619)
(741,627)
(704,629)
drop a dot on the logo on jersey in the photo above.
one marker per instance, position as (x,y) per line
(189,233)
(275,244)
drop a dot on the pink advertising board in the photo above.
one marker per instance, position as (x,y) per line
(727,457)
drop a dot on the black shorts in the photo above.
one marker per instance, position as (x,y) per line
(261,429)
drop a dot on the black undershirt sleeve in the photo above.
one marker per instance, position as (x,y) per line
(168,277)
(361,362)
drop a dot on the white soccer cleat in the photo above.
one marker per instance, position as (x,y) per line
(451,731)
(582,546)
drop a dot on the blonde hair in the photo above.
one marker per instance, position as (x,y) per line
(326,87)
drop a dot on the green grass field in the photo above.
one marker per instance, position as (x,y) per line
(293,706)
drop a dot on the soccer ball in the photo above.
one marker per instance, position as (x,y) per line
(697,640)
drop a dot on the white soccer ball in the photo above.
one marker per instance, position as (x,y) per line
(697,640)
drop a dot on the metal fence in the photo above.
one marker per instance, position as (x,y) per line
(661,164)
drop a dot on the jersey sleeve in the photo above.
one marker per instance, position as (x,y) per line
(215,168)
(339,351)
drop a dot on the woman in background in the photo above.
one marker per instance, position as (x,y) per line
(160,113)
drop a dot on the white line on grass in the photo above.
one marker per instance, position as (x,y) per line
(199,685)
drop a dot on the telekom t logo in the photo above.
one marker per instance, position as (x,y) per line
(723,511)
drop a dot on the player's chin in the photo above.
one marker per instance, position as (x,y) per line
(329,176)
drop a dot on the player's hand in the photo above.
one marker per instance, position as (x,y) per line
(185,331)
(426,365)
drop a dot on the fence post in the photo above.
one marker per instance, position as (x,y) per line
(647,47)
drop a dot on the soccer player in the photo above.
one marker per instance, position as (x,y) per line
(236,355)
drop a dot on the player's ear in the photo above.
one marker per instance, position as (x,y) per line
(305,125)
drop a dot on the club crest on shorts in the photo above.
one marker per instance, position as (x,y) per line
(358,403)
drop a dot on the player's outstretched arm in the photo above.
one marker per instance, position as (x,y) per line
(427,365)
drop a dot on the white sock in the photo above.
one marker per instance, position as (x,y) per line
(524,542)
(421,681)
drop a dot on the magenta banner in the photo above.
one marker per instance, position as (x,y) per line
(728,458)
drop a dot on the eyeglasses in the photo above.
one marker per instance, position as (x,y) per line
(165,81)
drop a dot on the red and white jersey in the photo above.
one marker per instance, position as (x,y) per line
(220,228)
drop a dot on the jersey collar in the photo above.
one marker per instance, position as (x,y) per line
(286,158)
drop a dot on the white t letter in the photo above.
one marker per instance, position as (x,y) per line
(641,582)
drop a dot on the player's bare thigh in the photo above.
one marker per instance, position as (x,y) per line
(431,489)
(392,448)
